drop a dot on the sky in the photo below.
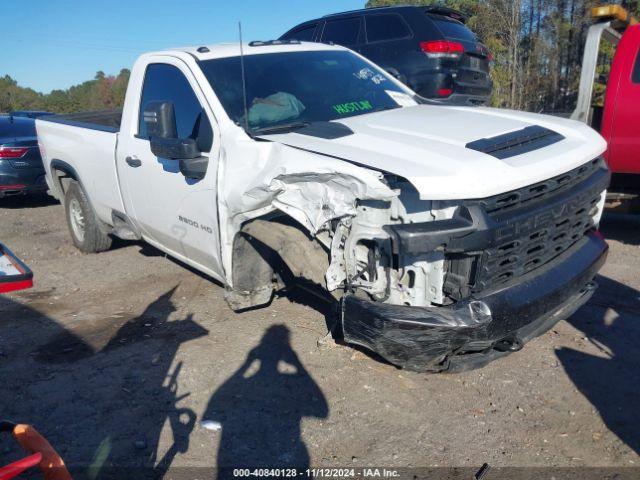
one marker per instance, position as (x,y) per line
(54,44)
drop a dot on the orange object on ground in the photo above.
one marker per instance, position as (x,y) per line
(51,464)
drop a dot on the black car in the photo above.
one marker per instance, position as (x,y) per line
(428,48)
(21,169)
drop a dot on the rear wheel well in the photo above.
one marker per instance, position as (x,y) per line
(62,176)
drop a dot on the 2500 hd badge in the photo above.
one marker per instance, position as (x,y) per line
(194,224)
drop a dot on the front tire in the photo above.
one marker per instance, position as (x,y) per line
(82,222)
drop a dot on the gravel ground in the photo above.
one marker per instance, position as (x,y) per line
(118,358)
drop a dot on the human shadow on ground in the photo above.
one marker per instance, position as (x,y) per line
(103,408)
(261,406)
(610,380)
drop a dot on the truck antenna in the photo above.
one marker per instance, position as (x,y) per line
(244,81)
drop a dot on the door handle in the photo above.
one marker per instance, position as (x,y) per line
(133,162)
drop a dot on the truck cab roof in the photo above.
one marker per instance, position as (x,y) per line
(225,50)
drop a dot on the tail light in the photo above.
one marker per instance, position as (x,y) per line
(13,152)
(445,92)
(442,48)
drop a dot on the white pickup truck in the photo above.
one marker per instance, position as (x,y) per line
(448,236)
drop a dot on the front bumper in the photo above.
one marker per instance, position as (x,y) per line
(487,326)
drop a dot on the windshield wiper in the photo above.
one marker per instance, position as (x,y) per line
(284,128)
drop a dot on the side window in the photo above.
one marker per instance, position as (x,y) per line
(342,32)
(386,27)
(167,83)
(304,34)
(635,77)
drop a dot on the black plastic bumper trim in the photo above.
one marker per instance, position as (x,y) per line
(430,339)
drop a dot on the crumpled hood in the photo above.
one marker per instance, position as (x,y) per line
(426,145)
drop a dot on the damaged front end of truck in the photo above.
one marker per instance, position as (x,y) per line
(427,285)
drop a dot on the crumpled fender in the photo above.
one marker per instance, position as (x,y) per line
(258,177)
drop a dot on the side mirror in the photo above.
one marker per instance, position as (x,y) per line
(174,148)
(160,120)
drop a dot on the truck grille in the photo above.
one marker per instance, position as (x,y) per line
(530,227)
(526,253)
(495,206)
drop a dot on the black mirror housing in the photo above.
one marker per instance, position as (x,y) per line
(174,148)
(160,120)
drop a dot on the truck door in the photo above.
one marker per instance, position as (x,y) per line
(621,125)
(175,213)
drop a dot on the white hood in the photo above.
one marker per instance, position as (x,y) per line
(426,145)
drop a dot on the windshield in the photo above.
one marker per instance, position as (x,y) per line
(297,88)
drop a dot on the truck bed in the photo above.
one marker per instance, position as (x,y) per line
(84,146)
(104,120)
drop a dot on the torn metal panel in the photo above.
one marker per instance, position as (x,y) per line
(310,188)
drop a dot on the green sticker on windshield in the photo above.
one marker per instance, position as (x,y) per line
(350,107)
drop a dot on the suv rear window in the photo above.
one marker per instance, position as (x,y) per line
(304,34)
(342,32)
(386,27)
(451,28)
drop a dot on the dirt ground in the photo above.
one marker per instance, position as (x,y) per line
(119,357)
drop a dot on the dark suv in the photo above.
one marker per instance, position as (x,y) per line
(21,169)
(428,48)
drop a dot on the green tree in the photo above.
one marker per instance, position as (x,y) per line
(103,92)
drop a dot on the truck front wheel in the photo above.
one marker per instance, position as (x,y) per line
(83,224)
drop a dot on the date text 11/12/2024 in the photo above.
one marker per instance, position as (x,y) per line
(317,472)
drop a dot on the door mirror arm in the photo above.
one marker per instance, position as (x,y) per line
(194,168)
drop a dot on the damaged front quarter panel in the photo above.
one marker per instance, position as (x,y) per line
(275,179)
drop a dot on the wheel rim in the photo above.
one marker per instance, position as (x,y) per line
(76,219)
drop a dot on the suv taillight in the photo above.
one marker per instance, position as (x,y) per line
(442,48)
(12,152)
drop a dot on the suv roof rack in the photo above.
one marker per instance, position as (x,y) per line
(266,43)
(373,9)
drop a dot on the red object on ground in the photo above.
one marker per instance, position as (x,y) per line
(15,286)
(14,275)
(16,468)
(621,123)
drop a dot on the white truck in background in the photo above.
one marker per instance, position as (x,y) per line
(448,236)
